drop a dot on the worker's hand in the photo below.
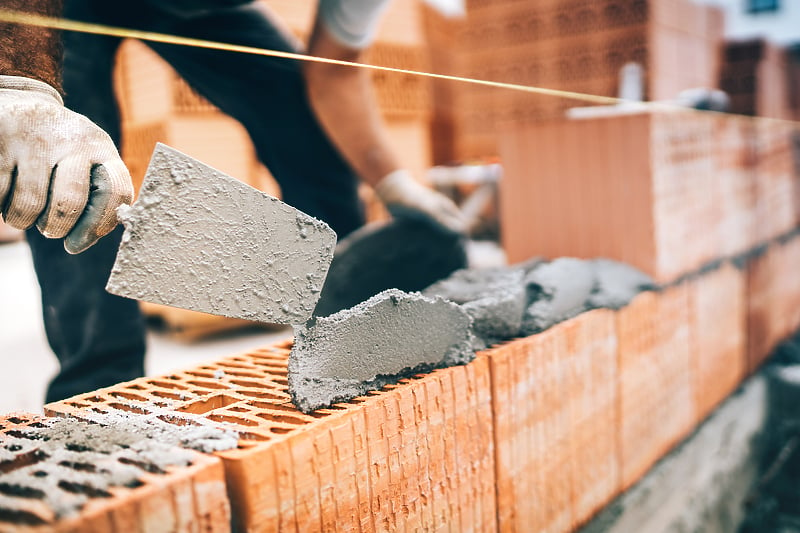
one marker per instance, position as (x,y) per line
(58,169)
(405,197)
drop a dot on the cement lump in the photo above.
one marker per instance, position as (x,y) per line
(392,335)
(495,298)
(616,284)
(76,460)
(201,240)
(557,291)
(530,297)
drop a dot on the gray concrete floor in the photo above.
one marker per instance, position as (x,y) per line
(27,364)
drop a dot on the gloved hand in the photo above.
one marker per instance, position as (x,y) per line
(58,169)
(405,197)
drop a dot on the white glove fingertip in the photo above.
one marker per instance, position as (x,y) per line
(24,208)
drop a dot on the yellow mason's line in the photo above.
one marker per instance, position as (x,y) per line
(113,31)
(19,17)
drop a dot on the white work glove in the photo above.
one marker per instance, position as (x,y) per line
(58,169)
(405,197)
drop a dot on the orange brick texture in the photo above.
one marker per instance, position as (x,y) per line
(655,397)
(419,454)
(535,434)
(555,413)
(718,345)
(773,297)
(641,184)
(181,499)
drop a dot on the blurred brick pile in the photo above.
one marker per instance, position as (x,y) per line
(756,76)
(570,45)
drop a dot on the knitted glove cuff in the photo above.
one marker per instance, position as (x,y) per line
(21,83)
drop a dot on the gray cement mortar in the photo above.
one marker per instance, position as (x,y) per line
(529,297)
(566,287)
(71,461)
(392,335)
(616,284)
(201,240)
(495,298)
(556,291)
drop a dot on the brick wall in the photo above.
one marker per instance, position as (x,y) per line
(539,432)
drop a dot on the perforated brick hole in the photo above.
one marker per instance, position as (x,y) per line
(75,475)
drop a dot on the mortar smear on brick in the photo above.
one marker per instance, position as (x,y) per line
(390,336)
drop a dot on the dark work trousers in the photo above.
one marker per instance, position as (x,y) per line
(99,339)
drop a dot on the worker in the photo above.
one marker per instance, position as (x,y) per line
(315,126)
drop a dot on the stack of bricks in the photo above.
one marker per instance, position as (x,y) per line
(157,105)
(666,191)
(180,499)
(754,74)
(571,45)
(537,433)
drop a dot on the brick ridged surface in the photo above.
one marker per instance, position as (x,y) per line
(181,499)
(417,454)
(718,336)
(555,414)
(655,397)
(641,184)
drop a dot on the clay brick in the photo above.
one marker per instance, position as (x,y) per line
(790,283)
(646,183)
(182,499)
(591,359)
(350,464)
(656,402)
(734,153)
(718,336)
(764,296)
(555,424)
(775,179)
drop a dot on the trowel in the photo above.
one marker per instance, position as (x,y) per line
(201,240)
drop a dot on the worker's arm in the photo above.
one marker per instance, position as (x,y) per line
(344,102)
(58,170)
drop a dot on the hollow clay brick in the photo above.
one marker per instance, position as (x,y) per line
(717,335)
(764,294)
(182,499)
(670,172)
(555,424)
(417,454)
(656,402)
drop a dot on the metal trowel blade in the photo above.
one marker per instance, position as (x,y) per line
(198,239)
